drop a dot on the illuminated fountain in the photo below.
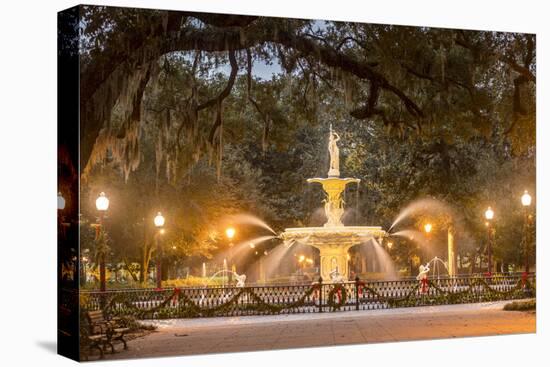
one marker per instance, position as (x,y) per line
(333,239)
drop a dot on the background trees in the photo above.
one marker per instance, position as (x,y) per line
(176,117)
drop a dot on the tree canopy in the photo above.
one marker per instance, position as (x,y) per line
(172,109)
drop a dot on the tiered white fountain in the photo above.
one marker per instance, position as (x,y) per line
(333,239)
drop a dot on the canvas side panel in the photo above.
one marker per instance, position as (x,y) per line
(68,182)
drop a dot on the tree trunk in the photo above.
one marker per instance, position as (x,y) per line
(145,260)
(132,274)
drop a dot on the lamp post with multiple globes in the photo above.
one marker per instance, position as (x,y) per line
(159,224)
(489,215)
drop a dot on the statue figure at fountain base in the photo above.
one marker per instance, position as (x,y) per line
(423,272)
(336,277)
(240,280)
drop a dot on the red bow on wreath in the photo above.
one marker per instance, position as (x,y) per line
(524,279)
(424,282)
(360,288)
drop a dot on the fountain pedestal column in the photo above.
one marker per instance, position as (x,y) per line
(334,203)
(333,257)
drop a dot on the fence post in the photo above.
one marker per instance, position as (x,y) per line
(357,293)
(320,294)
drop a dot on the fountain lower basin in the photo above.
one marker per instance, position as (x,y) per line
(333,244)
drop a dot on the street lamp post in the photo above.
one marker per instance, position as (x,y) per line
(101,204)
(60,201)
(526,202)
(61,225)
(230,233)
(159,224)
(428,230)
(489,215)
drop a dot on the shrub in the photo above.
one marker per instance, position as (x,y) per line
(529,305)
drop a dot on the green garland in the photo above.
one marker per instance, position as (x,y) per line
(138,312)
(447,297)
(122,304)
(188,308)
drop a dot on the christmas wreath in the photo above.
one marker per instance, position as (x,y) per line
(337,297)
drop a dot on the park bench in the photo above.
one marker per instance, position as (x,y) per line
(105,331)
(89,342)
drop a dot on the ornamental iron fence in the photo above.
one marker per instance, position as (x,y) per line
(306,298)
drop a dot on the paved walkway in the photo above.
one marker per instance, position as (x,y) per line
(253,333)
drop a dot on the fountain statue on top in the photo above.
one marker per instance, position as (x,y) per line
(333,239)
(333,185)
(334,169)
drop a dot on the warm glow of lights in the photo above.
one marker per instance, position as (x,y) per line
(159,220)
(526,199)
(102,203)
(174,247)
(265,252)
(489,214)
(252,245)
(309,261)
(390,245)
(230,232)
(162,230)
(60,201)
(427,227)
(301,258)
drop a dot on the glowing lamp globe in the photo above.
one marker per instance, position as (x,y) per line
(60,201)
(159,220)
(489,214)
(102,203)
(526,199)
(428,227)
(230,232)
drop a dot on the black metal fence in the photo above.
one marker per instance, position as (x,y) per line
(317,297)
